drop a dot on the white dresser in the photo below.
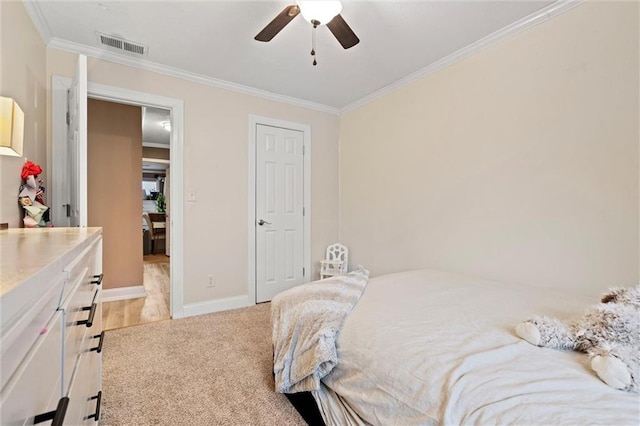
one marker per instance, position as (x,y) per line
(50,326)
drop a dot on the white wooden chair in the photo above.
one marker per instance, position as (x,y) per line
(336,262)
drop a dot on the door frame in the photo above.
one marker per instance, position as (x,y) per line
(254,121)
(176,106)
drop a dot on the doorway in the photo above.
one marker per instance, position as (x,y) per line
(60,86)
(119,164)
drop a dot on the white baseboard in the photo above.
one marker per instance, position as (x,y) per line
(217,305)
(123,293)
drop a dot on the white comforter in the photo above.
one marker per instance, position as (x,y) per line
(428,347)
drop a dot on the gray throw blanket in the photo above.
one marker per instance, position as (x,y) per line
(306,321)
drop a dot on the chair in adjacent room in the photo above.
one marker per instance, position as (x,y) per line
(336,261)
(157,232)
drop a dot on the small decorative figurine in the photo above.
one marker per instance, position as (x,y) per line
(30,198)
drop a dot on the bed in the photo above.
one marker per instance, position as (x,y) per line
(432,347)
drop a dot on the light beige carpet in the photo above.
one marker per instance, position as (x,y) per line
(213,369)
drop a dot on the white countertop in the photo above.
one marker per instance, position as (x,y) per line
(24,252)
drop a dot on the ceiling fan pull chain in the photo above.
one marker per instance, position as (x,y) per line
(313,41)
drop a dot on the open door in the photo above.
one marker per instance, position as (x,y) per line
(60,193)
(77,134)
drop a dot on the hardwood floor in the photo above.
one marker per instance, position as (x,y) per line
(154,307)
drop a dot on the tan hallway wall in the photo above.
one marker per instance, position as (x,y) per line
(114,159)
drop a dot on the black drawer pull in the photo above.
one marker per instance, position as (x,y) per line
(96,415)
(92,313)
(99,347)
(57,416)
(97,279)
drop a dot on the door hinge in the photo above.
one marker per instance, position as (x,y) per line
(303,272)
(303,211)
(68,117)
(303,150)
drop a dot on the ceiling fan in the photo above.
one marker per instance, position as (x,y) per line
(318,13)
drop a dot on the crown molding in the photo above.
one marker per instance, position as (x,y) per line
(523,24)
(33,9)
(147,65)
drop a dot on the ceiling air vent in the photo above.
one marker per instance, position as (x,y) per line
(122,44)
(134,48)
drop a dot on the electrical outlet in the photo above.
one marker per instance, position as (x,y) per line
(211,283)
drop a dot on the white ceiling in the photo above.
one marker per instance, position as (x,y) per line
(153,132)
(156,136)
(214,40)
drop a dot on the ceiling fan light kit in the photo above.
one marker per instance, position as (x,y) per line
(318,13)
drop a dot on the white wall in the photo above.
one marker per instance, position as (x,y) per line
(22,77)
(519,163)
(216,165)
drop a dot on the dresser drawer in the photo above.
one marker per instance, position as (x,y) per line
(19,336)
(92,338)
(78,391)
(32,387)
(84,377)
(84,393)
(82,269)
(92,372)
(92,376)
(78,316)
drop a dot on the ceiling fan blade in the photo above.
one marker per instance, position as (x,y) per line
(343,32)
(278,23)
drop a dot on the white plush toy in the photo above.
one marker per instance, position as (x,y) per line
(609,332)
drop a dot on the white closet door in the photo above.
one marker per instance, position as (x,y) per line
(279,210)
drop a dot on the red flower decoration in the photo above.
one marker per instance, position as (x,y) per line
(29,169)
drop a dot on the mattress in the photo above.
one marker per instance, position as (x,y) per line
(430,347)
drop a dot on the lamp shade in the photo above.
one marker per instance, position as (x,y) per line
(322,11)
(11,127)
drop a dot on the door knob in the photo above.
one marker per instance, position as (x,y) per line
(263,222)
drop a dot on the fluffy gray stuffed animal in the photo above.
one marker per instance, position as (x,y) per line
(609,332)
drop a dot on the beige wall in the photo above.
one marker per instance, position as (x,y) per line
(114,156)
(519,163)
(23,78)
(216,162)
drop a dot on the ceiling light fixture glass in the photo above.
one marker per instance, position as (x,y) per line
(318,12)
(322,11)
